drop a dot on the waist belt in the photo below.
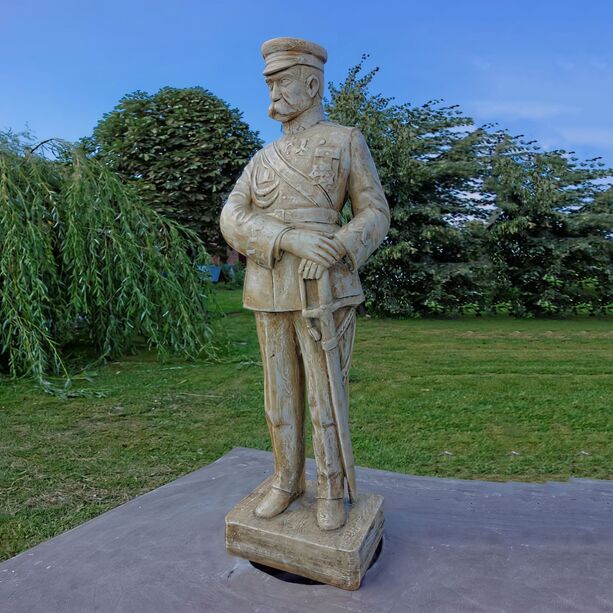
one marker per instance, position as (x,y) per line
(309,215)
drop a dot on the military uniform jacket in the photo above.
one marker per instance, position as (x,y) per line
(302,181)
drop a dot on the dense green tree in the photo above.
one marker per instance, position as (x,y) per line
(184,149)
(82,258)
(550,239)
(429,159)
(480,219)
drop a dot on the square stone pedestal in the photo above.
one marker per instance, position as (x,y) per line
(293,542)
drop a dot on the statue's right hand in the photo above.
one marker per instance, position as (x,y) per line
(313,246)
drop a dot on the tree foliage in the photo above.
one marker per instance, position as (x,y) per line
(429,161)
(83,259)
(550,239)
(481,220)
(183,148)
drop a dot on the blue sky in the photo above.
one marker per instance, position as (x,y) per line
(541,68)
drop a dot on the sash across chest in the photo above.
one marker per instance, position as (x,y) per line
(313,192)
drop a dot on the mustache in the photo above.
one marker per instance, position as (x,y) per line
(283,102)
(281,108)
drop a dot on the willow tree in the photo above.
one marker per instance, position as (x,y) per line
(82,259)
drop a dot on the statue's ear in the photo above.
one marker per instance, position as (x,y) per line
(312,84)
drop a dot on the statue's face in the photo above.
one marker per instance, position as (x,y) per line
(291,93)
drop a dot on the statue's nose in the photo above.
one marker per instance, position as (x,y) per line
(275,93)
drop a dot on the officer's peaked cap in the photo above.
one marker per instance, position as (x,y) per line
(285,52)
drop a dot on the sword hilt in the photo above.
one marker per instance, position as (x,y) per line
(309,314)
(323,312)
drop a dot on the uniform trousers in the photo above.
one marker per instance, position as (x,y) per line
(292,361)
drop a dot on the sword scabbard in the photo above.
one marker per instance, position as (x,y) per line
(328,335)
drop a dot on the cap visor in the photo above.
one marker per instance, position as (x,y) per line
(278,65)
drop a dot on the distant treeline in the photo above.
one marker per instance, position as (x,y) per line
(482,221)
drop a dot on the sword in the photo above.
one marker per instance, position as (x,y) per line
(327,335)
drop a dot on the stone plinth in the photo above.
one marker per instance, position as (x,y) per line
(293,542)
(448,545)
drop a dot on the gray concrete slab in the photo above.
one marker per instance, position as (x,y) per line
(449,546)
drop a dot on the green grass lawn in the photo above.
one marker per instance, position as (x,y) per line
(472,398)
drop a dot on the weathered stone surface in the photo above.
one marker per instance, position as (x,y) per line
(292,541)
(448,545)
(301,279)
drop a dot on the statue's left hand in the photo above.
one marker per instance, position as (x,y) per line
(312,270)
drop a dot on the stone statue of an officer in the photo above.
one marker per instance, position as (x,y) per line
(283,215)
